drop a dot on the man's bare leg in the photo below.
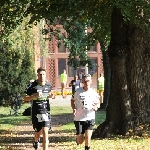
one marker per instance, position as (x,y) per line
(101,92)
(88,135)
(80,138)
(45,138)
(37,135)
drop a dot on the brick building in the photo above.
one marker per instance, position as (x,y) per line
(56,62)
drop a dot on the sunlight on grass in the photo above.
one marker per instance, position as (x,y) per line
(8,121)
(105,144)
(100,117)
(67,140)
(64,136)
(55,110)
(68,126)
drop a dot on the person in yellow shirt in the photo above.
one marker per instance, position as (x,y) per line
(101,87)
(63,78)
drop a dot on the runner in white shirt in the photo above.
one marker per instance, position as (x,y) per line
(84,103)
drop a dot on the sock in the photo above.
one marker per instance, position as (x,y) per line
(87,148)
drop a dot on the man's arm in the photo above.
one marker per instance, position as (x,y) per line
(66,78)
(51,95)
(28,98)
(97,104)
(70,84)
(73,106)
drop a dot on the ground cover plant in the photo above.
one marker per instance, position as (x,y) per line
(8,121)
(62,135)
(67,138)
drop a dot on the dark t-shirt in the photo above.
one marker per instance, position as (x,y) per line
(39,106)
(74,85)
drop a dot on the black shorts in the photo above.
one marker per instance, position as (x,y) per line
(81,126)
(41,120)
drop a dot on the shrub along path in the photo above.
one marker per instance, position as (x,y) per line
(21,137)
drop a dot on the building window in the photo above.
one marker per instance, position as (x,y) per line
(71,71)
(61,65)
(61,47)
(93,49)
(93,71)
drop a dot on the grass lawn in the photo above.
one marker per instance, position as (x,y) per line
(8,121)
(64,135)
(116,143)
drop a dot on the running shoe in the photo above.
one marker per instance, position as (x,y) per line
(36,145)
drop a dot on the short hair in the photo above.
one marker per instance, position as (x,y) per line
(41,69)
(101,74)
(85,76)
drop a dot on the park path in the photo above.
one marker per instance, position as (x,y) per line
(21,138)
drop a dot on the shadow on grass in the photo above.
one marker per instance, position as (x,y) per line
(7,121)
(27,137)
(62,119)
(17,138)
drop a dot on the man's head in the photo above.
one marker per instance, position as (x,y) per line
(41,73)
(101,75)
(64,71)
(75,77)
(87,80)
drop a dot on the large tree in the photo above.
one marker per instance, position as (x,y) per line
(128,107)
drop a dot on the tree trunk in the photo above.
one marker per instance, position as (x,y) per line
(128,110)
(107,72)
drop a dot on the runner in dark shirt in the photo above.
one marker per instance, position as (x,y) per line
(75,84)
(39,93)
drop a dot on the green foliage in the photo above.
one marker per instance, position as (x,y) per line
(136,12)
(11,15)
(42,38)
(77,43)
(96,13)
(16,66)
(74,16)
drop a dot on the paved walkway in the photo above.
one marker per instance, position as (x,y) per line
(60,101)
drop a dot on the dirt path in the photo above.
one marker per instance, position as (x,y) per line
(21,138)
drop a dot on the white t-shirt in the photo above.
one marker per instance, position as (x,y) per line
(84,101)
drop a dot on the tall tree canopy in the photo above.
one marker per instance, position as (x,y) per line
(124,25)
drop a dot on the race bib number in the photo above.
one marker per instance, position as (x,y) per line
(86,101)
(42,117)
